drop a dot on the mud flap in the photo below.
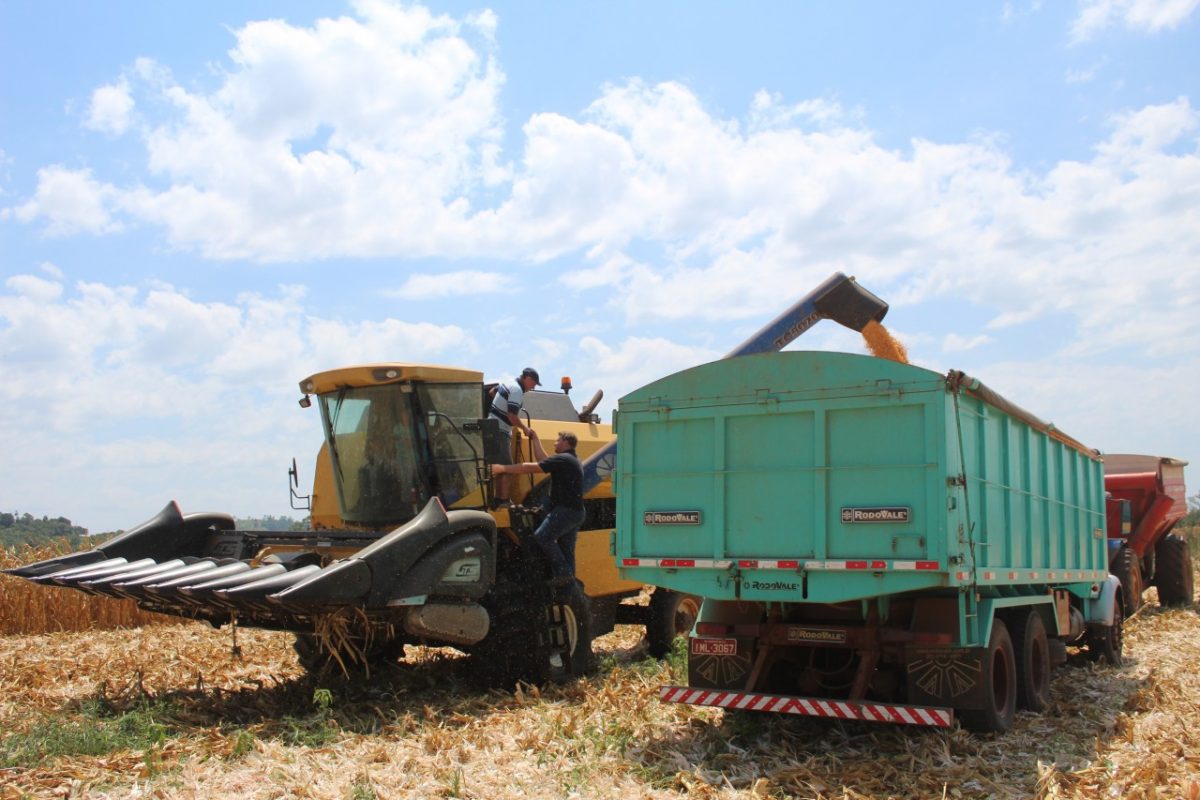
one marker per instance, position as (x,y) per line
(720,663)
(950,677)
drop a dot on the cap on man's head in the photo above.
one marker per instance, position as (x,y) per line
(530,372)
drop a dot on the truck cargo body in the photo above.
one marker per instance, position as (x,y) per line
(846,518)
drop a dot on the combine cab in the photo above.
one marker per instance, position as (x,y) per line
(402,550)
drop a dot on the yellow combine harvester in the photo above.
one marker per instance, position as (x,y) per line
(402,550)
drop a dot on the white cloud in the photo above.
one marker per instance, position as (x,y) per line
(71,201)
(173,397)
(34,288)
(1148,16)
(110,108)
(620,367)
(953,343)
(447,284)
(1086,74)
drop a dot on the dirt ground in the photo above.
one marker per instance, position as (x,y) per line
(241,719)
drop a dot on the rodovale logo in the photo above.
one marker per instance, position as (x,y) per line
(876,514)
(671,517)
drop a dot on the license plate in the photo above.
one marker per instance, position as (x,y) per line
(714,647)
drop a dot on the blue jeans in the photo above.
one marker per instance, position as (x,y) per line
(556,536)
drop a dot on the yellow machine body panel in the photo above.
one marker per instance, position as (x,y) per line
(595,565)
(384,373)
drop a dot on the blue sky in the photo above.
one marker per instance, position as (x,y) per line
(200,204)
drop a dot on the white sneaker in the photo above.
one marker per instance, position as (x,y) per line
(556,661)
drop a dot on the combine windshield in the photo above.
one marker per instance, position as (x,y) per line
(455,444)
(375,441)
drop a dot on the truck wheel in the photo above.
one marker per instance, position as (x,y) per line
(1107,641)
(999,683)
(1033,661)
(1129,572)
(671,614)
(1173,571)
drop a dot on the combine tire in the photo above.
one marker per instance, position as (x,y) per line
(671,614)
(1173,571)
(536,642)
(1000,685)
(1033,661)
(1108,641)
(1127,569)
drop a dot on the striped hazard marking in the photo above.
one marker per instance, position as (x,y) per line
(809,706)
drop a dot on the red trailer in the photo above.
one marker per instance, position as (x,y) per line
(1146,498)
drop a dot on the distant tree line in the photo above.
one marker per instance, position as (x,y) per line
(18,529)
(271,523)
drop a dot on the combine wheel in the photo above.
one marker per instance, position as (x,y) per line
(671,614)
(536,642)
(1107,641)
(1173,571)
(1128,570)
(1033,661)
(1000,685)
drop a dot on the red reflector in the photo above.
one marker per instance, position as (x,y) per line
(927,565)
(749,564)
(667,562)
(629,562)
(712,629)
(685,562)
(878,565)
(856,565)
(788,564)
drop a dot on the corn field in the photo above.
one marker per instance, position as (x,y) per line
(29,608)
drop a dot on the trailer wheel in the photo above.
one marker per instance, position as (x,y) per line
(1129,572)
(1173,571)
(671,614)
(1108,641)
(1033,661)
(1000,685)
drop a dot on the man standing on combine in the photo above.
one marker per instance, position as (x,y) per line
(558,531)
(507,402)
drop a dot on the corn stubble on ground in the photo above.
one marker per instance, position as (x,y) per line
(257,727)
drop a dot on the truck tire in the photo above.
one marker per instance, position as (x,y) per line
(1108,641)
(1126,567)
(1033,661)
(999,685)
(671,614)
(1173,571)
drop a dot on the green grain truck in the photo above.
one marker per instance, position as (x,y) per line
(873,540)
